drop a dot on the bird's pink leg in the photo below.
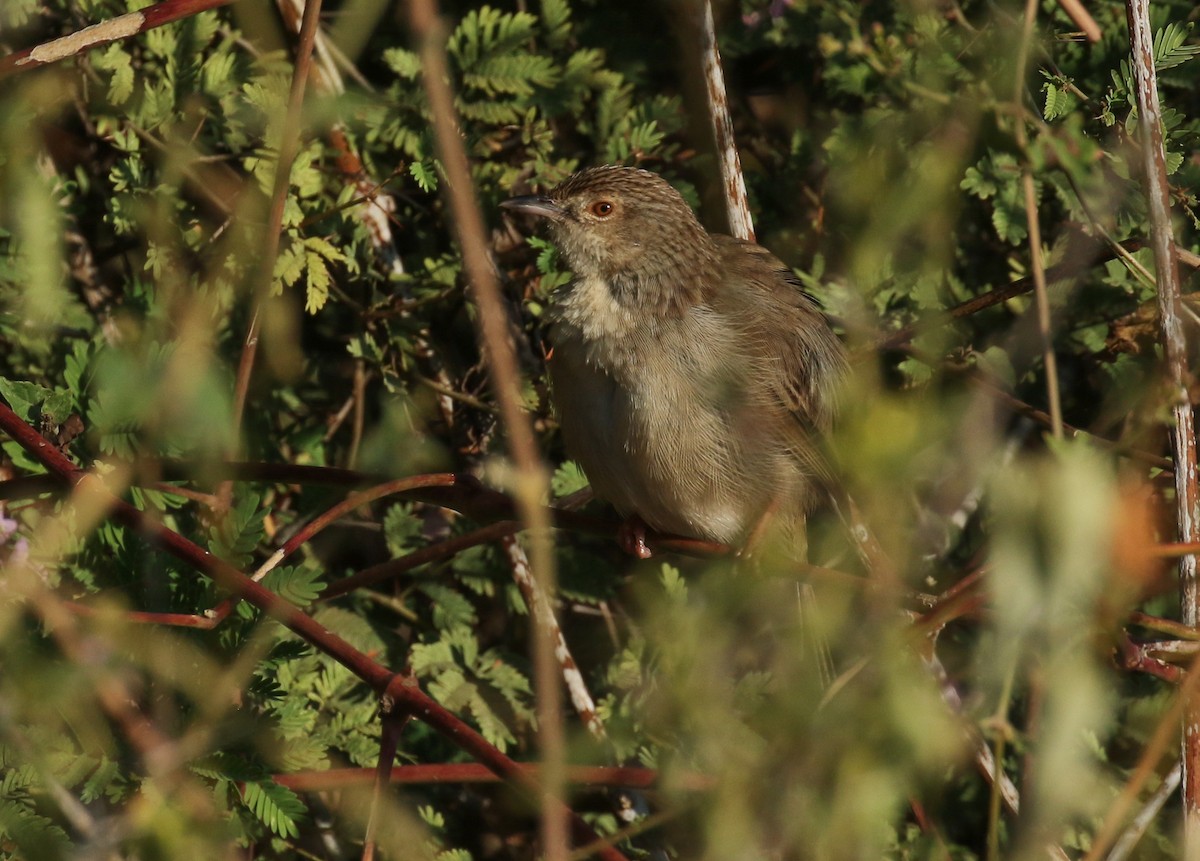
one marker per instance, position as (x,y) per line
(631,535)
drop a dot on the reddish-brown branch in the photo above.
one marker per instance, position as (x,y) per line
(203,622)
(350,503)
(211,618)
(403,691)
(1164,734)
(964,598)
(1082,252)
(1176,550)
(392,722)
(104,32)
(471,772)
(407,695)
(1164,626)
(433,553)
(1136,656)
(978,378)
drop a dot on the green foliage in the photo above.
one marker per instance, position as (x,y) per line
(277,807)
(885,148)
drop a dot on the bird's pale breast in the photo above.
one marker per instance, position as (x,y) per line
(658,412)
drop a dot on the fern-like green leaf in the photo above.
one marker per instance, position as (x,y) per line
(299,585)
(237,534)
(489,32)
(275,806)
(1169,48)
(512,74)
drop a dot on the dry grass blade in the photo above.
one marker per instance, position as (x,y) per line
(531,480)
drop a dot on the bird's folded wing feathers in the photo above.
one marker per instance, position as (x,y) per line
(781,337)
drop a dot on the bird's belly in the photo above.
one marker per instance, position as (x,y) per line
(658,449)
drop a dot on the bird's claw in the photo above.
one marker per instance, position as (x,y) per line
(631,535)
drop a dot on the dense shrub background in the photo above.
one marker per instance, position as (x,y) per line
(884,146)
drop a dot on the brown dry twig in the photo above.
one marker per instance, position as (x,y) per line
(104,32)
(289,147)
(1082,18)
(471,772)
(531,480)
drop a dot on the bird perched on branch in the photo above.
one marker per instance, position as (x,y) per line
(690,371)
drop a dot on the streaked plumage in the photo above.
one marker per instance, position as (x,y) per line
(689,369)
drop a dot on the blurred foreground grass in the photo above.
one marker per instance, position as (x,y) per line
(884,163)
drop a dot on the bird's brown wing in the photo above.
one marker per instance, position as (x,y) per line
(798,358)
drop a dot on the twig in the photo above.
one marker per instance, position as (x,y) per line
(542,612)
(979,379)
(121,27)
(531,480)
(1136,656)
(1145,816)
(1083,20)
(392,721)
(434,553)
(373,207)
(408,694)
(1176,549)
(289,147)
(737,206)
(347,505)
(1078,257)
(1183,431)
(472,772)
(1035,231)
(403,690)
(1164,734)
(1164,626)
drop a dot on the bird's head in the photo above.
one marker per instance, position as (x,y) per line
(624,225)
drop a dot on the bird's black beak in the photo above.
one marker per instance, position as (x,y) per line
(536,204)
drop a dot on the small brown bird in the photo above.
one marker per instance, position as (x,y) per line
(689,369)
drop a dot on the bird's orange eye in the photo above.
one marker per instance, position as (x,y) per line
(601,209)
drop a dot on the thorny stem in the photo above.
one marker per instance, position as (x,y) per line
(1145,816)
(433,553)
(350,503)
(541,610)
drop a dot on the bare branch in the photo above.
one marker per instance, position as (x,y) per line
(112,30)
(737,206)
(1183,430)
